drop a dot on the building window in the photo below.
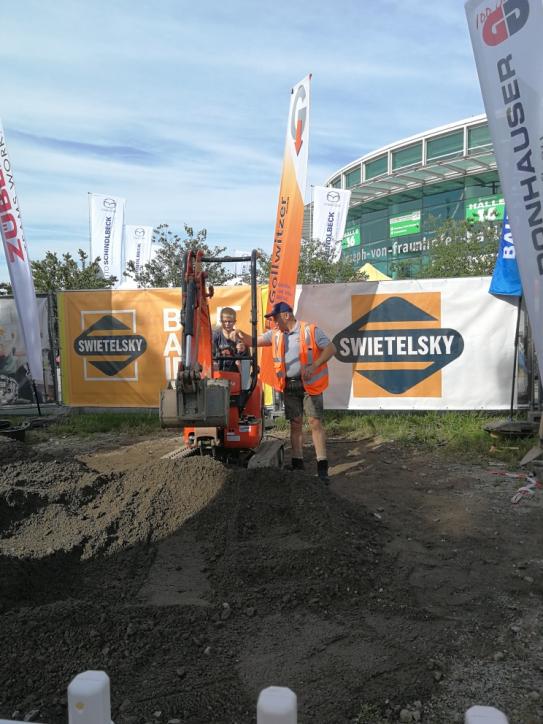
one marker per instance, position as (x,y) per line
(378,167)
(479,138)
(336,183)
(450,145)
(407,156)
(352,178)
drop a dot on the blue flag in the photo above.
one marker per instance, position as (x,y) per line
(506,278)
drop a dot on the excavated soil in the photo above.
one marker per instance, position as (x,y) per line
(407,590)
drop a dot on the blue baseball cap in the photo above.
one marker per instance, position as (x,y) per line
(278,307)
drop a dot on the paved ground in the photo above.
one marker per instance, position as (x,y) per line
(406,591)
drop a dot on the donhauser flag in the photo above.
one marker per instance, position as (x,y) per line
(137,245)
(20,272)
(285,255)
(506,41)
(106,232)
(330,208)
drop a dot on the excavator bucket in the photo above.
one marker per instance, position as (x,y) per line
(205,403)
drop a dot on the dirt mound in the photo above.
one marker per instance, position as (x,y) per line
(410,585)
(283,537)
(51,506)
(176,565)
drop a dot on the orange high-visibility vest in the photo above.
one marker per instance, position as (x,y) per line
(309,350)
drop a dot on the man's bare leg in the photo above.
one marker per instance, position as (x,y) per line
(319,437)
(296,438)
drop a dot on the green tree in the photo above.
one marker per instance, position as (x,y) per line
(54,273)
(316,266)
(166,267)
(462,249)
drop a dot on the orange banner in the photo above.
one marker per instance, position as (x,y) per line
(285,256)
(120,348)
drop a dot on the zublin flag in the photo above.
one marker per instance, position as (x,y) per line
(20,272)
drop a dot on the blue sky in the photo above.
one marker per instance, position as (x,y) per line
(181,107)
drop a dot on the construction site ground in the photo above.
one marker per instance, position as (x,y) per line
(406,590)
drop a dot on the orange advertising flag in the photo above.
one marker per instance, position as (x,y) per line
(290,210)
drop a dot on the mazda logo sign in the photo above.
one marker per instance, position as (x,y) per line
(333,196)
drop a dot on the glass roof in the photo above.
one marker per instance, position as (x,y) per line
(414,177)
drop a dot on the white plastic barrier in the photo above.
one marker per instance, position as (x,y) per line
(277,705)
(89,703)
(89,699)
(484,715)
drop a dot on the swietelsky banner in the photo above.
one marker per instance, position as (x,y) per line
(106,233)
(330,209)
(506,39)
(20,272)
(285,255)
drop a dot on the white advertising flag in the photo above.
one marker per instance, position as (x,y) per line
(137,245)
(506,39)
(20,272)
(106,232)
(330,209)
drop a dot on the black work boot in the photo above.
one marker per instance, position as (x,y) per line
(297,464)
(322,470)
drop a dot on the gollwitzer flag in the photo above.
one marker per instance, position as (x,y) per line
(285,255)
(20,272)
(505,278)
(137,245)
(330,208)
(106,232)
(506,39)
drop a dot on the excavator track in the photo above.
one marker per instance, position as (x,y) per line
(181,453)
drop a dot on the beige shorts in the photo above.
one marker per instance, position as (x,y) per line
(299,403)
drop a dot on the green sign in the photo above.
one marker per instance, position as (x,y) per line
(351,238)
(485,208)
(404,225)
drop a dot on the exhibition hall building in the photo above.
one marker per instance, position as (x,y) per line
(402,193)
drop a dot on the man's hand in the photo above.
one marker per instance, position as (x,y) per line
(308,371)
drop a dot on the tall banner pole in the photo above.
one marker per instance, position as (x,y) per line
(508,53)
(506,40)
(330,209)
(106,233)
(289,221)
(137,245)
(20,271)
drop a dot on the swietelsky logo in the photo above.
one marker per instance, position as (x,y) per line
(109,345)
(397,346)
(505,20)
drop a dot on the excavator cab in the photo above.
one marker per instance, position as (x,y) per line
(221,411)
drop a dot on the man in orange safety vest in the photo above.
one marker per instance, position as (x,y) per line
(300,353)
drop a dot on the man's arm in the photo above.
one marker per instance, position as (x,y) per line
(325,354)
(328,352)
(261,341)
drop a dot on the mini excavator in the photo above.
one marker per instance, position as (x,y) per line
(221,412)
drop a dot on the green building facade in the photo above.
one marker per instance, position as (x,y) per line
(402,193)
